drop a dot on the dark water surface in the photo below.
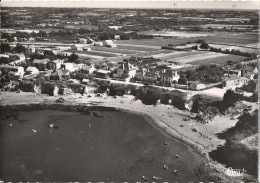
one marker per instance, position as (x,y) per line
(121,147)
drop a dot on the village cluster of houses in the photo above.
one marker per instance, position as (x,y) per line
(59,69)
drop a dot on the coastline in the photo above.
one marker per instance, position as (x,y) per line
(165,117)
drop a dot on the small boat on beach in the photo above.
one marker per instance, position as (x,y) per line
(165,167)
(52,126)
(176,172)
(144,178)
(156,178)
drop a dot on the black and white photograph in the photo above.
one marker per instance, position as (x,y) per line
(129,91)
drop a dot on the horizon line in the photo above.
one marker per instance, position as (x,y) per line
(140,4)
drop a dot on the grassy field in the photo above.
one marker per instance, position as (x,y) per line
(227,38)
(219,60)
(113,50)
(139,48)
(239,39)
(100,54)
(175,54)
(197,57)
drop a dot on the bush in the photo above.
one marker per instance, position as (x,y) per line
(250,87)
(115,89)
(48,88)
(76,88)
(151,97)
(255,97)
(177,101)
(204,46)
(230,98)
(27,86)
(166,98)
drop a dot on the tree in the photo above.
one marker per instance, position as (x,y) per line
(73,57)
(250,87)
(48,88)
(204,46)
(230,98)
(48,52)
(19,48)
(5,48)
(255,97)
(4,60)
(177,101)
(42,33)
(124,36)
(151,97)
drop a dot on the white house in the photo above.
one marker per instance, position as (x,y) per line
(13,71)
(31,49)
(109,43)
(71,67)
(4,56)
(98,43)
(77,47)
(90,68)
(117,37)
(86,48)
(31,70)
(82,41)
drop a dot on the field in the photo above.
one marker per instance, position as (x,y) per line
(197,57)
(94,53)
(152,48)
(116,50)
(175,54)
(219,60)
(240,48)
(223,38)
(137,48)
(177,34)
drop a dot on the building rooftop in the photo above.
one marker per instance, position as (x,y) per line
(42,61)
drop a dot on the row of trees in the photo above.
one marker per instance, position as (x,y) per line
(6,48)
(205,74)
(150,95)
(234,52)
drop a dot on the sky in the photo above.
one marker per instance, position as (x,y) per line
(170,4)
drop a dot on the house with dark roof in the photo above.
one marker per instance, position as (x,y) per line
(150,77)
(123,70)
(168,77)
(249,72)
(41,65)
(139,75)
(60,74)
(55,64)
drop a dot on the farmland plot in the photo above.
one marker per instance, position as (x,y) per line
(227,38)
(175,54)
(240,48)
(96,54)
(113,50)
(219,60)
(196,57)
(138,48)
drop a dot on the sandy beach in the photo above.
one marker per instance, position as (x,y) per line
(170,119)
